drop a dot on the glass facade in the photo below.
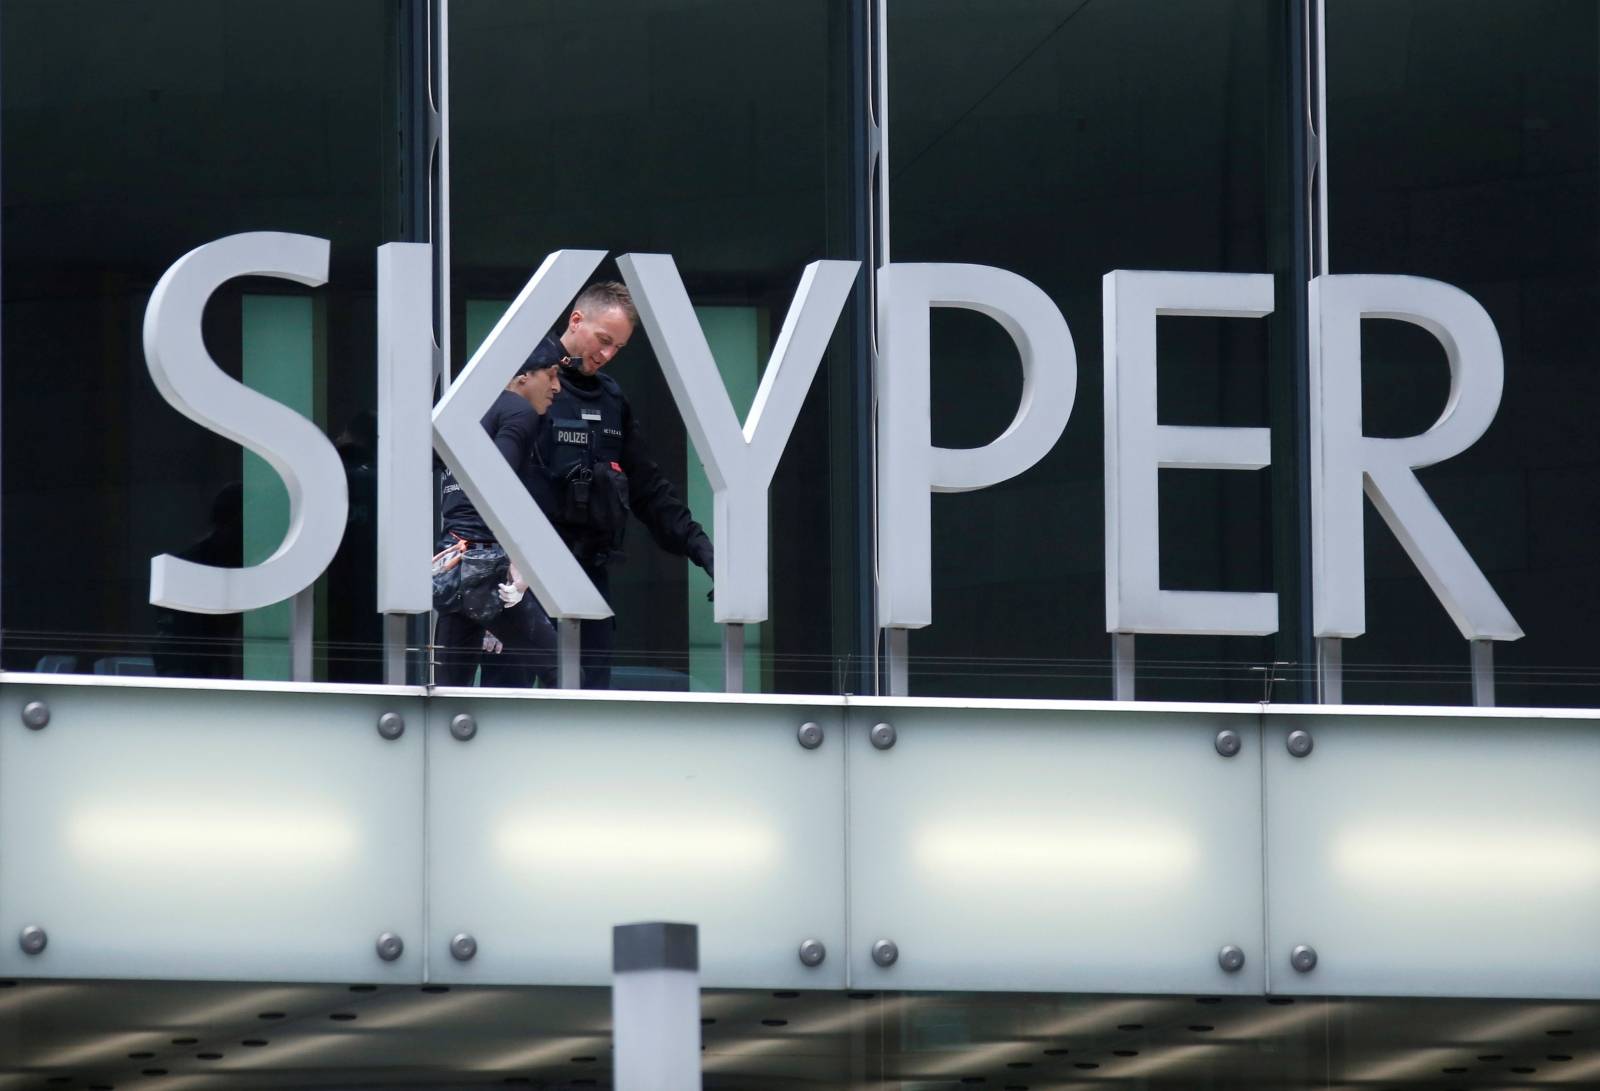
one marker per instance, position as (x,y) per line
(1057,139)
(1462,145)
(128,141)
(1061,140)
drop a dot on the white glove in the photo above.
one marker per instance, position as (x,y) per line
(492,645)
(510,594)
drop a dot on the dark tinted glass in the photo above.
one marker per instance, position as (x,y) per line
(1463,147)
(134,133)
(1061,139)
(718,133)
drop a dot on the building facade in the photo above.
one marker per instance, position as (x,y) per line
(1297,834)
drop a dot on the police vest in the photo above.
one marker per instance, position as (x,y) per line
(582,453)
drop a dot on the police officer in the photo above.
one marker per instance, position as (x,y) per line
(526,636)
(596,465)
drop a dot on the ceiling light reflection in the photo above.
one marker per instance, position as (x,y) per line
(557,1049)
(1169,1058)
(1095,1018)
(1521,1022)
(113,1047)
(1102,853)
(857,1014)
(1415,1062)
(188,838)
(1391,856)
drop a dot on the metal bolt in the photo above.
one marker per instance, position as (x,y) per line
(1230,958)
(35,714)
(390,946)
(883,737)
(812,952)
(810,735)
(1228,742)
(1303,958)
(391,725)
(885,952)
(463,947)
(463,727)
(33,940)
(1299,742)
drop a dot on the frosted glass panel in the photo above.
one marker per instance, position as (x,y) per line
(563,817)
(1425,856)
(1081,851)
(198,834)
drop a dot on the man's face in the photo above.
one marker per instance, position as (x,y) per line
(538,388)
(597,336)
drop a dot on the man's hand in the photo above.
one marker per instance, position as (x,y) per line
(701,553)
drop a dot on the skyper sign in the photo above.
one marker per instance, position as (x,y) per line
(740,459)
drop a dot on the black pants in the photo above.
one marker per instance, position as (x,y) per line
(597,636)
(530,648)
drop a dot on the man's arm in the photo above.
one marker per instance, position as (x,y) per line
(512,430)
(652,498)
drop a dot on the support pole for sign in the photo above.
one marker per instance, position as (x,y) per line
(655,1006)
(733,657)
(896,644)
(1330,670)
(569,658)
(1482,673)
(302,626)
(394,649)
(1122,662)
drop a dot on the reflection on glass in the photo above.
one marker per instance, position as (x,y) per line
(1462,146)
(719,134)
(132,135)
(1060,139)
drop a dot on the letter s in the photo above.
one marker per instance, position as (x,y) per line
(192,384)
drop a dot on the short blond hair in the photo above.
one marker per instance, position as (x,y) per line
(605,294)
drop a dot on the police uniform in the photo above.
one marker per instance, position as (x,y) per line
(527,635)
(597,469)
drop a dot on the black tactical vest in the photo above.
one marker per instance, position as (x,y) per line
(581,451)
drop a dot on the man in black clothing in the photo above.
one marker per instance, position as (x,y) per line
(527,637)
(597,465)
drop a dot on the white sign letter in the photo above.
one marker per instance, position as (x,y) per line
(492,485)
(909,466)
(1137,448)
(405,402)
(739,462)
(295,448)
(1343,460)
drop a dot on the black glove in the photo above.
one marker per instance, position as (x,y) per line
(700,553)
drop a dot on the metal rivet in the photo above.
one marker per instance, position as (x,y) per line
(463,727)
(33,940)
(35,714)
(1231,959)
(391,725)
(812,952)
(390,946)
(1299,743)
(1228,742)
(884,952)
(1303,958)
(463,947)
(882,736)
(810,735)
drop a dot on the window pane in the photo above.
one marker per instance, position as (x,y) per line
(132,135)
(718,133)
(1060,139)
(1463,147)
